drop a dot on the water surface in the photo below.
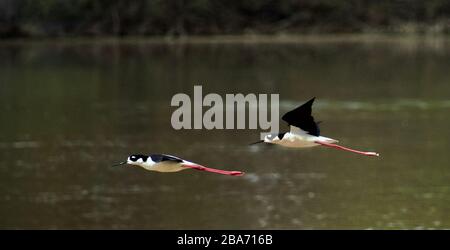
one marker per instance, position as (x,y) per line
(70,110)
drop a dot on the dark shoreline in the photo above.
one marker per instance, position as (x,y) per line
(242,39)
(176,18)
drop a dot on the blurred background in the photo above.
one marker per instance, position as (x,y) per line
(29,18)
(84,83)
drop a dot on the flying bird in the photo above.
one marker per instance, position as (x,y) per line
(304,132)
(169,163)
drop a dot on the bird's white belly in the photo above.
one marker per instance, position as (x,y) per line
(297,141)
(166,167)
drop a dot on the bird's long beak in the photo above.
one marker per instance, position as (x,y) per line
(120,163)
(256,142)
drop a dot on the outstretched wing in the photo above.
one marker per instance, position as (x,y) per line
(301,118)
(162,157)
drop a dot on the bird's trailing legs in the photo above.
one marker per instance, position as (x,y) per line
(213,170)
(347,149)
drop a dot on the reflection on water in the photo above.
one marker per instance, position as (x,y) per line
(68,111)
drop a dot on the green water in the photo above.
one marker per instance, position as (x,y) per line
(70,110)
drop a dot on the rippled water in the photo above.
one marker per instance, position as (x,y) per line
(70,110)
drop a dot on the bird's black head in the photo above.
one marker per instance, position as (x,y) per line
(137,158)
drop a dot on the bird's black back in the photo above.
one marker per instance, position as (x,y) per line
(301,117)
(161,157)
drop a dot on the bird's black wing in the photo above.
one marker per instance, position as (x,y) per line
(161,157)
(301,117)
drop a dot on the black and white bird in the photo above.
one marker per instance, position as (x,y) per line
(169,163)
(304,132)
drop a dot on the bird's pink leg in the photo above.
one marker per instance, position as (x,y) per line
(347,149)
(213,170)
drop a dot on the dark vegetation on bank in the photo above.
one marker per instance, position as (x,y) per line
(56,18)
